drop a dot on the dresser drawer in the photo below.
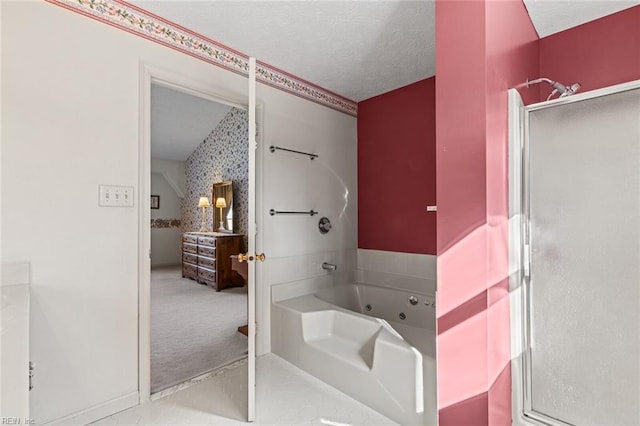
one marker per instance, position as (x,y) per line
(190,248)
(192,239)
(190,258)
(189,271)
(206,258)
(207,251)
(207,241)
(207,262)
(207,276)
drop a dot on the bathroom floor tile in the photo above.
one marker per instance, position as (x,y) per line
(285,395)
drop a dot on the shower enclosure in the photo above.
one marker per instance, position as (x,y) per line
(575,258)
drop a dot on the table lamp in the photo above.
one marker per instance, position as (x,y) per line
(221,204)
(204,203)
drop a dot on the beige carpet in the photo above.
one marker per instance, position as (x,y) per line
(194,329)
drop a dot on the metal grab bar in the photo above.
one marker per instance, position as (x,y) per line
(273,212)
(273,148)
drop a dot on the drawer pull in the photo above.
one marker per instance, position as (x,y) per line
(205,241)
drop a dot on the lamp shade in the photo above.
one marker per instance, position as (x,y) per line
(221,203)
(204,202)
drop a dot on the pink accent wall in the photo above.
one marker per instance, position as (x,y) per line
(460,182)
(597,54)
(397,170)
(484,48)
(512,56)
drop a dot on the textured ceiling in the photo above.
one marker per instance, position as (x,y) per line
(357,48)
(180,122)
(552,16)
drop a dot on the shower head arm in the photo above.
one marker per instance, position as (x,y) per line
(559,87)
(539,80)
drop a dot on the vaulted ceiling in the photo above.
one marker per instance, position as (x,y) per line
(180,122)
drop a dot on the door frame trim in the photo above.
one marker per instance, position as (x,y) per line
(151,74)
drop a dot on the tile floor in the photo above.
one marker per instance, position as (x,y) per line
(285,395)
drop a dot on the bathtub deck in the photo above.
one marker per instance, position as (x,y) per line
(420,338)
(344,349)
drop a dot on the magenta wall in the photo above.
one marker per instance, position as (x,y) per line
(597,54)
(484,48)
(397,170)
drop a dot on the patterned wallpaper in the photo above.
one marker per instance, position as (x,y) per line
(222,156)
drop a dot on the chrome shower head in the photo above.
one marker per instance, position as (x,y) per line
(564,90)
(557,87)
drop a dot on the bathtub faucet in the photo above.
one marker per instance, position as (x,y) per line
(329,266)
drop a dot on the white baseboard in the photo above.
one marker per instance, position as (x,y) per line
(99,411)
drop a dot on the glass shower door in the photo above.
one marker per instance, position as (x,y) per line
(582,202)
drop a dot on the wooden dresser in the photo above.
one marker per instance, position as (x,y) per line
(206,258)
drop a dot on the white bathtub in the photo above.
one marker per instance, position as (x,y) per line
(352,337)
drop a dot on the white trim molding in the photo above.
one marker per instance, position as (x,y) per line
(99,411)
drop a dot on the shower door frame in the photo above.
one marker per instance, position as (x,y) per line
(520,246)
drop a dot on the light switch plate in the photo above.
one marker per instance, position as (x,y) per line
(115,196)
(432,208)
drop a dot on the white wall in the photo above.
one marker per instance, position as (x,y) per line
(293,244)
(166,243)
(70,113)
(14,319)
(406,271)
(173,173)
(170,204)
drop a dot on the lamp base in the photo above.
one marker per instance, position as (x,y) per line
(221,228)
(203,226)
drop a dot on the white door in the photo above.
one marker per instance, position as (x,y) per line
(251,300)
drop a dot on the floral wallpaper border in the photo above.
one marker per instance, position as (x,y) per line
(165,223)
(130,18)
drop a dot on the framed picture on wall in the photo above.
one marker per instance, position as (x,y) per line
(155,201)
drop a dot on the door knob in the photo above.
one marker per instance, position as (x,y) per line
(246,258)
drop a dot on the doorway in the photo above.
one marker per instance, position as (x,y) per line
(199,176)
(196,145)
